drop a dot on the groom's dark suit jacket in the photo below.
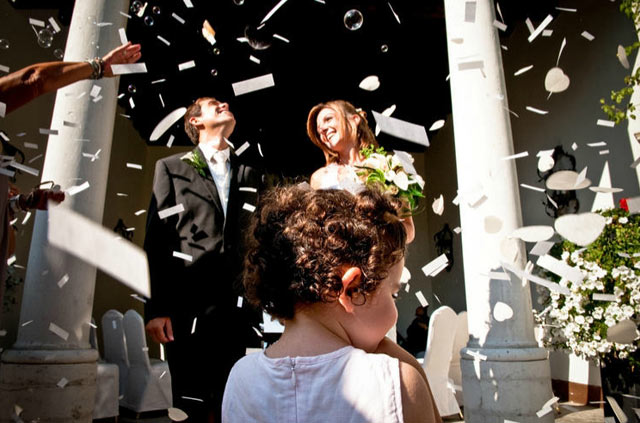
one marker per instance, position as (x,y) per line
(206,285)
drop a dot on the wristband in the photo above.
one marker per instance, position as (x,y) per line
(97,67)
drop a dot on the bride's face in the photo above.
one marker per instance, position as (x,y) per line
(330,128)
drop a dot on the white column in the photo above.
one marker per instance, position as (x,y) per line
(53,340)
(634,124)
(505,374)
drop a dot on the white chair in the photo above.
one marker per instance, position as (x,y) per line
(107,389)
(442,330)
(148,381)
(115,345)
(459,342)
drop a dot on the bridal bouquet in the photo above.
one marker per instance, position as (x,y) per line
(393,173)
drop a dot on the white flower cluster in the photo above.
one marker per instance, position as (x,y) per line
(397,169)
(578,322)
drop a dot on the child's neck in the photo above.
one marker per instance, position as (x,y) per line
(310,333)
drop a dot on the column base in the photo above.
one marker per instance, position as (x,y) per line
(50,390)
(506,384)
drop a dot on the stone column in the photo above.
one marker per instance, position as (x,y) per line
(505,374)
(50,372)
(633,126)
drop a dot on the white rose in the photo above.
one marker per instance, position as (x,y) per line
(401,180)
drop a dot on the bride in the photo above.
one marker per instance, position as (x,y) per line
(341,132)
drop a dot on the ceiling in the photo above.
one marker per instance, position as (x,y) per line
(323,60)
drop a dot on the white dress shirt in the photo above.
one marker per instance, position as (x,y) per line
(220,167)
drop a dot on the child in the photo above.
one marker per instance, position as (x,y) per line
(328,264)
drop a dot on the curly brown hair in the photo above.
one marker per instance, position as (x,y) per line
(344,109)
(300,239)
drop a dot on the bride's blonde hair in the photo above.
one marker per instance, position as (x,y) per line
(364,135)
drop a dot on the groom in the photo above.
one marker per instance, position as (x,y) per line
(199,210)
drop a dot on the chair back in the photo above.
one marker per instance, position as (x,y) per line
(115,344)
(136,340)
(437,359)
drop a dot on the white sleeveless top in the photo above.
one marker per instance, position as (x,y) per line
(344,386)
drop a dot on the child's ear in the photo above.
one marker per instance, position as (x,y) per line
(350,280)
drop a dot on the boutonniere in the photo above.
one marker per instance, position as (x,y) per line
(196,160)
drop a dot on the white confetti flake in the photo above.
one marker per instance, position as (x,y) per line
(436,125)
(46,131)
(63,281)
(183,256)
(3,109)
(134,166)
(131,103)
(95,90)
(253,84)
(606,123)
(242,148)
(193,326)
(531,187)
(547,33)
(516,156)
(603,152)
(423,301)
(281,38)
(123,36)
(603,297)
(163,214)
(239,302)
(129,68)
(274,10)
(435,266)
(62,383)
(11,260)
(37,22)
(402,129)
(177,18)
(58,331)
(522,70)
(248,189)
(71,191)
(254,59)
(26,169)
(538,111)
(370,83)
(588,36)
(125,14)
(189,5)
(566,9)
(31,145)
(540,28)
(139,212)
(161,100)
(499,25)
(4,68)
(170,141)
(248,207)
(164,40)
(54,24)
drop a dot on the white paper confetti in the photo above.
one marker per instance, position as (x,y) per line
(253,84)
(434,265)
(97,246)
(63,280)
(422,299)
(588,36)
(139,212)
(134,166)
(248,207)
(516,156)
(538,111)
(123,36)
(4,68)
(129,68)
(239,302)
(531,187)
(248,189)
(560,268)
(436,125)
(71,191)
(58,331)
(163,214)
(54,24)
(540,28)
(272,11)
(131,103)
(189,6)
(522,70)
(541,248)
(170,141)
(183,256)
(46,131)
(36,22)
(402,129)
(281,38)
(177,18)
(603,297)
(370,83)
(164,40)
(499,25)
(607,123)
(31,145)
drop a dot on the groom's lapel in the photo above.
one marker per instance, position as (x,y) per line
(206,183)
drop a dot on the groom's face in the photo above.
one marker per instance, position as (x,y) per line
(214,113)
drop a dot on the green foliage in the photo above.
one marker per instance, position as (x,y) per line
(613,110)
